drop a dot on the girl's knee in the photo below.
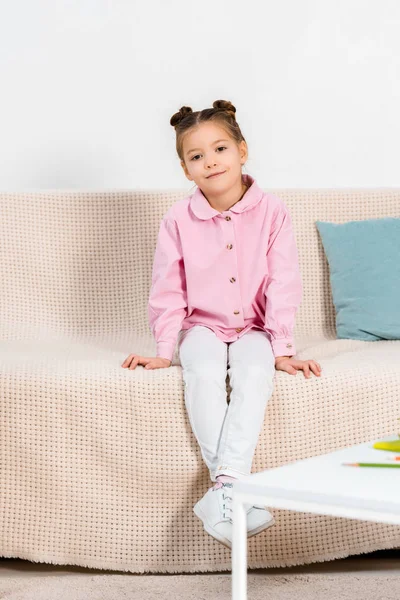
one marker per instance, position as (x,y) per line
(206,369)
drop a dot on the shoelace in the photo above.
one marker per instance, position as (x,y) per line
(228,499)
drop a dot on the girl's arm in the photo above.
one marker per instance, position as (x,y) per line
(167,306)
(284,288)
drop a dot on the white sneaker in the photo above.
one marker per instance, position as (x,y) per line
(215,510)
(258,517)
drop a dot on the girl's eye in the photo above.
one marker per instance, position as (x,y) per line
(217,149)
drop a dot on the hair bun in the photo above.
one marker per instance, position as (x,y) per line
(225,105)
(181,114)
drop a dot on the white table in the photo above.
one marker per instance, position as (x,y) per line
(320,485)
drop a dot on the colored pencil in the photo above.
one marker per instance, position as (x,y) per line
(393,465)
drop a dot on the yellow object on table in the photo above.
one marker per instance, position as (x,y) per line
(393,445)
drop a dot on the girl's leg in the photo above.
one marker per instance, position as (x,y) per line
(251,372)
(203,358)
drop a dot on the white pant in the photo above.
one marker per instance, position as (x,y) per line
(227,433)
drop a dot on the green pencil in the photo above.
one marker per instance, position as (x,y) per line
(395,465)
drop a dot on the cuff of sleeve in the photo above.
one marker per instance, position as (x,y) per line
(283,347)
(165,350)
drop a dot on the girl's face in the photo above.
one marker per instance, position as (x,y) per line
(208,149)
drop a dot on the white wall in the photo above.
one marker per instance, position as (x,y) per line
(88,88)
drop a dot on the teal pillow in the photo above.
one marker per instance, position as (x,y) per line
(364,264)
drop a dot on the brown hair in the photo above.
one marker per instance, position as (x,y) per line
(223,112)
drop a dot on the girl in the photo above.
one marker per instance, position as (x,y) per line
(226,286)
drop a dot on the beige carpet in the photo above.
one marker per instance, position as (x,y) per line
(343,586)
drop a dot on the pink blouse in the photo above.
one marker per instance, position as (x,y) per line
(230,271)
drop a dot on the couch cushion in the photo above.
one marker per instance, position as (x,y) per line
(364,267)
(83,440)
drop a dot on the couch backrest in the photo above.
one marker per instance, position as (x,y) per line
(79,262)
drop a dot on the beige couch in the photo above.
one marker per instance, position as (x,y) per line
(98,464)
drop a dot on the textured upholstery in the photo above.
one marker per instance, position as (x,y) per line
(98,464)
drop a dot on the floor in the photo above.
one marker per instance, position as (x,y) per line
(381,560)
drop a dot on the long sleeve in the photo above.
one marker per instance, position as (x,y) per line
(167,306)
(284,287)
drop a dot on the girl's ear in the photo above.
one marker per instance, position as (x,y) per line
(243,152)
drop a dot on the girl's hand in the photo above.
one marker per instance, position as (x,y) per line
(292,365)
(149,363)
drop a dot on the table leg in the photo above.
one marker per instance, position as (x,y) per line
(239,549)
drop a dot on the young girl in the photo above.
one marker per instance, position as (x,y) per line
(226,286)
